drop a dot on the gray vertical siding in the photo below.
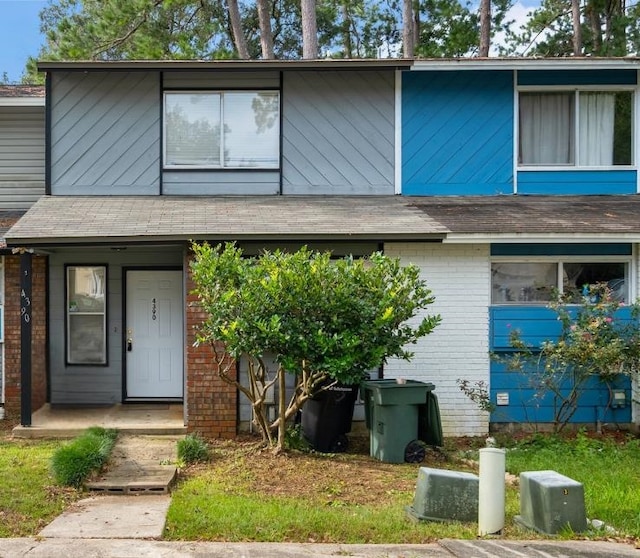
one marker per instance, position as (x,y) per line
(105,133)
(216,183)
(221,80)
(21,156)
(95,385)
(338,132)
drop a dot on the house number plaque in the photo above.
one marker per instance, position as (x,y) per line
(153,309)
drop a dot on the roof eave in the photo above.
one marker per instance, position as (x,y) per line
(316,64)
(18,242)
(573,63)
(22,102)
(540,238)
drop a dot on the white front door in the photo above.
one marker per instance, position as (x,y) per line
(154,334)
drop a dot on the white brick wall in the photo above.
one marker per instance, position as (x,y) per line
(634,294)
(459,277)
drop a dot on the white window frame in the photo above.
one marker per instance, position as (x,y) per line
(560,261)
(576,90)
(221,166)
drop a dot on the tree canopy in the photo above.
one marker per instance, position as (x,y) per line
(219,29)
(319,318)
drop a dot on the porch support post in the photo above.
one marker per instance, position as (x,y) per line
(25,338)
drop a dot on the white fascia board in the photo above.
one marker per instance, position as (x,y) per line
(527,64)
(21,101)
(398,133)
(550,238)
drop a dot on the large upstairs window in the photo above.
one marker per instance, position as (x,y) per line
(222,130)
(575,128)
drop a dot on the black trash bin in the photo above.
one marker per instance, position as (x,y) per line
(326,417)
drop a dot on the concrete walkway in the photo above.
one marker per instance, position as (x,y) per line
(139,464)
(131,497)
(128,548)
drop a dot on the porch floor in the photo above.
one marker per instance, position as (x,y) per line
(135,418)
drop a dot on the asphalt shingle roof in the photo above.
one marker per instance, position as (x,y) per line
(7,220)
(21,91)
(534,214)
(60,219)
(109,219)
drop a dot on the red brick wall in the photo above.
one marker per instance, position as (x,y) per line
(12,334)
(211,403)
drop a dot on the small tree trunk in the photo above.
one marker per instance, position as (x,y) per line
(407,29)
(485,28)
(309,29)
(592,16)
(416,26)
(266,36)
(236,28)
(577,28)
(282,409)
(346,31)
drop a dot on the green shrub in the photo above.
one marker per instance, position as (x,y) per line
(74,462)
(294,440)
(193,449)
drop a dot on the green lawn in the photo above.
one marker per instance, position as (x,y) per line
(222,500)
(609,469)
(349,498)
(29,498)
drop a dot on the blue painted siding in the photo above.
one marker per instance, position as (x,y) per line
(526,404)
(535,324)
(457,133)
(577,77)
(577,182)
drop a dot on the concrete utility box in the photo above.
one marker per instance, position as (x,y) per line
(551,502)
(443,495)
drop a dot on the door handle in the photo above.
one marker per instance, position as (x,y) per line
(129,344)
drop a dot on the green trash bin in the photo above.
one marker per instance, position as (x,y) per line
(395,416)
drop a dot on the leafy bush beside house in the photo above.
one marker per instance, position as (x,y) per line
(321,318)
(598,346)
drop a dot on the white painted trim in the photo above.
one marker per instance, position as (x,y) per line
(635,130)
(471,238)
(2,301)
(398,133)
(22,102)
(568,259)
(516,131)
(633,273)
(628,63)
(569,168)
(578,88)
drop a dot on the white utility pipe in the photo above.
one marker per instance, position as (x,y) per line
(491,491)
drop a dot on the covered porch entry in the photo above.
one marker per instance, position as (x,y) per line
(109,237)
(66,422)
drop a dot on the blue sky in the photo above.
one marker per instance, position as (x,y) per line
(19,34)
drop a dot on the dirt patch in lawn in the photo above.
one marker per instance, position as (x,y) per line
(352,478)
